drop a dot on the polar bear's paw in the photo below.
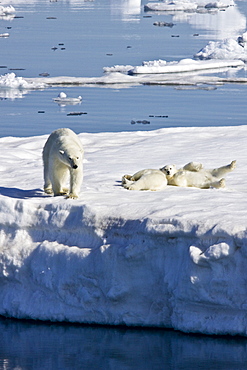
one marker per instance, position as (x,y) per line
(219,184)
(232,165)
(72,196)
(125,178)
(222,183)
(128,184)
(193,166)
(48,190)
(64,191)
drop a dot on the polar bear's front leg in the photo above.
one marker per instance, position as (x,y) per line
(193,166)
(126,177)
(76,177)
(59,176)
(47,181)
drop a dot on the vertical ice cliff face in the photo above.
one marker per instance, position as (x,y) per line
(64,263)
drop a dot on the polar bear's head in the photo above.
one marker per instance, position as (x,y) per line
(169,170)
(71,159)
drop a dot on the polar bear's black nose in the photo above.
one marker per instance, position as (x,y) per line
(75,166)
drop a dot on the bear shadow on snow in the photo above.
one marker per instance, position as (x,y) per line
(21,193)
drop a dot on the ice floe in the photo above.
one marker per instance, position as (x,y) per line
(6,10)
(184,65)
(178,5)
(225,49)
(10,80)
(173,258)
(62,99)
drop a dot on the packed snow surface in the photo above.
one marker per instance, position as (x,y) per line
(173,258)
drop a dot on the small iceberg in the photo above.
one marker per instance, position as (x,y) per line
(62,99)
(225,49)
(6,10)
(11,81)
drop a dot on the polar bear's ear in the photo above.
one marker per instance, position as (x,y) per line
(61,152)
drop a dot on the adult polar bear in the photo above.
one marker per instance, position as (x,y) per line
(191,175)
(194,175)
(63,157)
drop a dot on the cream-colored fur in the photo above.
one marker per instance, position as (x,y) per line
(63,160)
(194,175)
(149,179)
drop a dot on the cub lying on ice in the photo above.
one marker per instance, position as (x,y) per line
(145,180)
(191,175)
(63,157)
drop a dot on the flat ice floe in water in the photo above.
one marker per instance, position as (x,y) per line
(174,258)
(184,65)
(221,56)
(178,5)
(62,99)
(185,71)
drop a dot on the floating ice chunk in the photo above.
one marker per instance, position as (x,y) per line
(5,10)
(171,6)
(225,49)
(118,68)
(178,5)
(216,4)
(62,99)
(10,80)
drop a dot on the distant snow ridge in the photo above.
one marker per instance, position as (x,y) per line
(10,80)
(118,68)
(178,5)
(225,49)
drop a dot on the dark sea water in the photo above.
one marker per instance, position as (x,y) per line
(90,35)
(39,346)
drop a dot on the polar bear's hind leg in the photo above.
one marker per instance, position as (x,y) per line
(221,171)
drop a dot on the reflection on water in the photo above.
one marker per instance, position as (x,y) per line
(32,345)
(127,8)
(221,25)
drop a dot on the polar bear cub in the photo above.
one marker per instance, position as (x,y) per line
(149,179)
(63,159)
(194,175)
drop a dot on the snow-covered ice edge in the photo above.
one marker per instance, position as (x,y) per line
(174,258)
(183,72)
